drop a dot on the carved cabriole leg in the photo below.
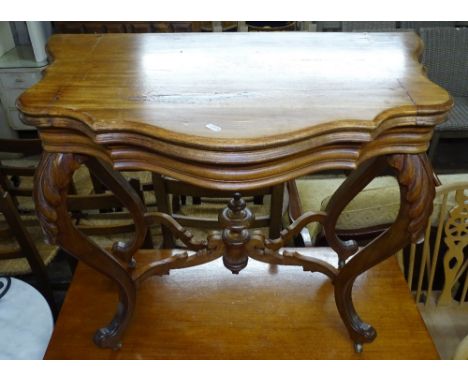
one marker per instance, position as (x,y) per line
(417,191)
(115,182)
(52,179)
(351,186)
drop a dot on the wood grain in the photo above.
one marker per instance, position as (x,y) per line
(262,313)
(326,99)
(180,83)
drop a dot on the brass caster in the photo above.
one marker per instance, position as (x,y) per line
(358,348)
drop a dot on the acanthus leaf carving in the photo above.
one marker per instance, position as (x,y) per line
(53,177)
(420,190)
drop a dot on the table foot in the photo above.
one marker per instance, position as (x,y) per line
(110,336)
(417,191)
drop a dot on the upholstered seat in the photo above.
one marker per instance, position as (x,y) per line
(376,205)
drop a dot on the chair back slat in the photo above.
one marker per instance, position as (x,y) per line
(456,239)
(448,255)
(11,254)
(425,261)
(165,187)
(411,265)
(92,202)
(464,291)
(18,171)
(435,256)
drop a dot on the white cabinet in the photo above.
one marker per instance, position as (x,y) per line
(18,72)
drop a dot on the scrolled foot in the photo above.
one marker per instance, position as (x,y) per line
(108,338)
(362,332)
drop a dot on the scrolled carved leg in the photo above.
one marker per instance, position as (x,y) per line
(52,179)
(351,186)
(417,191)
(115,182)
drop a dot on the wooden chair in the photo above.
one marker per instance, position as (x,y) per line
(438,271)
(446,253)
(23,255)
(204,216)
(366,216)
(101,214)
(27,253)
(30,254)
(16,175)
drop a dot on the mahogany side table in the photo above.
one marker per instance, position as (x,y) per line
(235,112)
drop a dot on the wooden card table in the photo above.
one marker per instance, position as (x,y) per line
(235,112)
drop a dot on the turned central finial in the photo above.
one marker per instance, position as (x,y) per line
(235,219)
(237,203)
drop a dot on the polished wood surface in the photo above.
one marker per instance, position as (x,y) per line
(262,313)
(219,78)
(235,99)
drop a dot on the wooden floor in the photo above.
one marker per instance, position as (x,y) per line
(263,313)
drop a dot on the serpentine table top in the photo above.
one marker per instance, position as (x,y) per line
(237,98)
(235,112)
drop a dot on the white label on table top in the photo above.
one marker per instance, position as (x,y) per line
(213,127)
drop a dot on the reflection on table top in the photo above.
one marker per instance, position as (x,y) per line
(238,86)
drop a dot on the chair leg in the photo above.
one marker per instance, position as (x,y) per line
(276,210)
(175,203)
(162,201)
(258,199)
(28,248)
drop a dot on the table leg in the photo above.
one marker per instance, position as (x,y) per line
(52,179)
(350,187)
(417,191)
